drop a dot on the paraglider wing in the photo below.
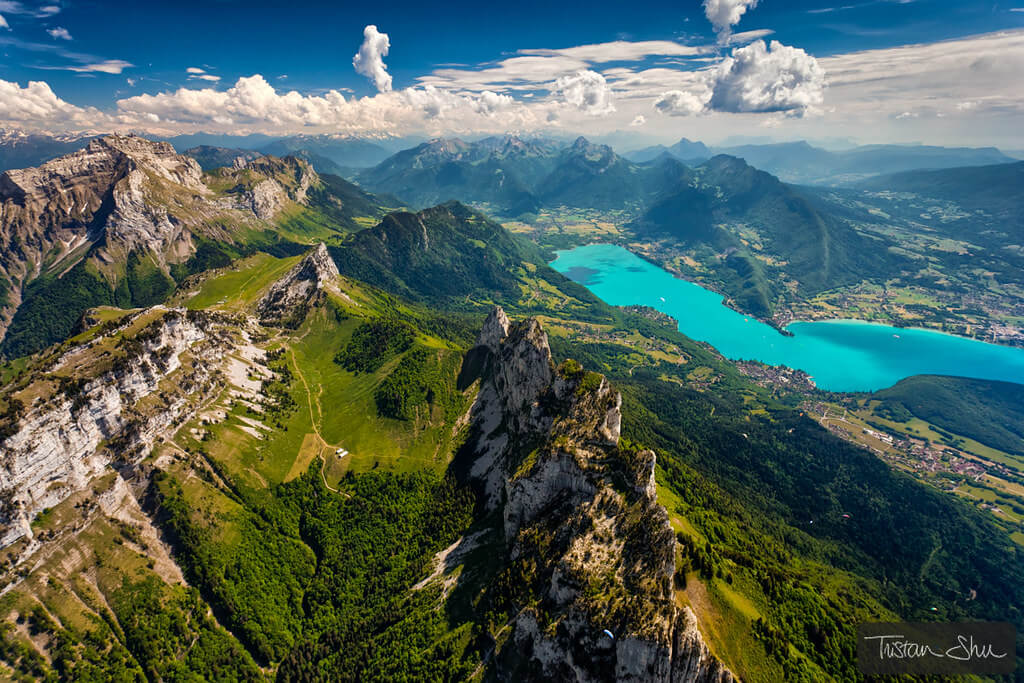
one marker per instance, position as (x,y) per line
(609,634)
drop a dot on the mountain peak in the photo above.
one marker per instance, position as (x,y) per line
(289,299)
(580,143)
(495,329)
(103,162)
(556,464)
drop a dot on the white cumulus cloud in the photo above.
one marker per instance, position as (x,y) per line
(489,102)
(679,103)
(759,78)
(3,22)
(638,120)
(587,91)
(724,14)
(254,105)
(369,61)
(59,33)
(36,105)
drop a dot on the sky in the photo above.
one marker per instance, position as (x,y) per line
(934,71)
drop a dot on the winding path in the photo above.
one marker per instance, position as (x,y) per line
(315,421)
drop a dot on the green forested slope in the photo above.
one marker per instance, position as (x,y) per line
(989,412)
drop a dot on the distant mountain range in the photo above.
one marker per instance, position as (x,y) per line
(328,153)
(800,162)
(514,175)
(22,150)
(346,152)
(684,150)
(347,155)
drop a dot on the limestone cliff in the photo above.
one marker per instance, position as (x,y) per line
(71,433)
(123,195)
(588,544)
(289,298)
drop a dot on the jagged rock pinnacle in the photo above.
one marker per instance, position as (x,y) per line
(495,329)
(294,293)
(547,455)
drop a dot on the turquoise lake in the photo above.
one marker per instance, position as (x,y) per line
(841,355)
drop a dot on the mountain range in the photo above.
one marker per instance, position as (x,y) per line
(516,176)
(715,205)
(800,162)
(124,218)
(258,422)
(331,153)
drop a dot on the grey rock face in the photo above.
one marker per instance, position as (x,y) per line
(289,297)
(548,455)
(692,662)
(124,194)
(56,448)
(495,330)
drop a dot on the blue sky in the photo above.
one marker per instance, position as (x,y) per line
(92,54)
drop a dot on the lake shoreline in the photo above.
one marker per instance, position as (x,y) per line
(783,329)
(841,354)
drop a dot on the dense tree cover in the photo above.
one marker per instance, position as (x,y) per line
(318,579)
(256,585)
(922,547)
(423,377)
(441,253)
(986,411)
(147,283)
(207,255)
(90,653)
(151,631)
(173,637)
(51,307)
(375,342)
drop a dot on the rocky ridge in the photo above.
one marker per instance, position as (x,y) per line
(62,442)
(125,194)
(578,510)
(286,302)
(272,183)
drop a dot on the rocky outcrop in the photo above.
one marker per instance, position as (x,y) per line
(56,449)
(592,548)
(277,181)
(125,194)
(692,662)
(104,190)
(289,298)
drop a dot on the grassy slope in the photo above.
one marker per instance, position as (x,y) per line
(989,412)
